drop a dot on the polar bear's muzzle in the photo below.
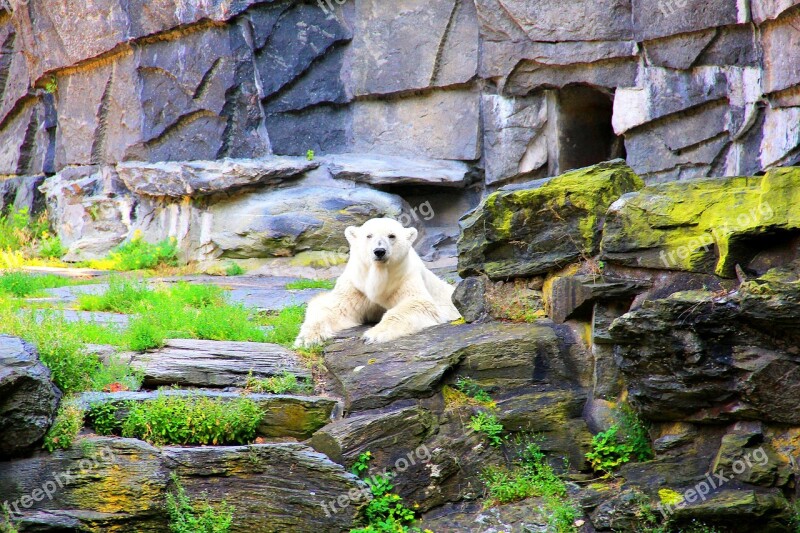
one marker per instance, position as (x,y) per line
(380,252)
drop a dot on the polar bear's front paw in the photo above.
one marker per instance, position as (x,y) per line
(376,336)
(307,340)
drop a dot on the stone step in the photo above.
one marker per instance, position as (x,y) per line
(285,415)
(114,484)
(204,363)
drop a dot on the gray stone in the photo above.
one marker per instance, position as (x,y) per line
(90,210)
(323,128)
(734,45)
(470,298)
(126,482)
(204,363)
(199,178)
(769,9)
(582,20)
(387,436)
(494,354)
(781,67)
(572,296)
(514,140)
(679,51)
(22,192)
(286,222)
(531,75)
(438,125)
(28,399)
(665,91)
(378,170)
(414,46)
(652,20)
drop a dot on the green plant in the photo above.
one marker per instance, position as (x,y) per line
(361,464)
(469,387)
(24,284)
(285,325)
(6,525)
(281,384)
(531,475)
(103,417)
(51,85)
(310,155)
(202,517)
(385,512)
(620,443)
(234,269)
(301,284)
(51,247)
(488,425)
(193,420)
(138,254)
(65,428)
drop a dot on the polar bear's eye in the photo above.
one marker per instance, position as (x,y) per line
(369,236)
(391,236)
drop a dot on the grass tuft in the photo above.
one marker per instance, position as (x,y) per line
(302,284)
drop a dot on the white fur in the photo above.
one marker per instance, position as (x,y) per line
(400,293)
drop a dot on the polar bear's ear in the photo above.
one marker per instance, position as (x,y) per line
(412,234)
(352,234)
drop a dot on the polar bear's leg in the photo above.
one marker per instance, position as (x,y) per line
(408,316)
(332,312)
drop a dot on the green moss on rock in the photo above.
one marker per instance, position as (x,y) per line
(706,225)
(524,232)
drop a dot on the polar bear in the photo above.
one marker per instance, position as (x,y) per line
(385,281)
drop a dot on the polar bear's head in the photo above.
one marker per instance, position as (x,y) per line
(380,240)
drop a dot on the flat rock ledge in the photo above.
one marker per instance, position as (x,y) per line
(203,363)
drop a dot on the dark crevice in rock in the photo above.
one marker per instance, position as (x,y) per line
(176,126)
(440,51)
(6,57)
(99,142)
(202,87)
(27,149)
(232,126)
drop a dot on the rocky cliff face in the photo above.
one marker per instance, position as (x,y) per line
(514,90)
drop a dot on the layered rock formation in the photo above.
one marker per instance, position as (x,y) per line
(467,92)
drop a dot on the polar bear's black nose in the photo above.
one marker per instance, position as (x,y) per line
(379,252)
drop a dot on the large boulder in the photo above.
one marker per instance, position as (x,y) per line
(531,229)
(708,225)
(28,399)
(706,356)
(286,222)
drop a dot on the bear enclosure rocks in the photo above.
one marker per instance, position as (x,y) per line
(28,399)
(529,229)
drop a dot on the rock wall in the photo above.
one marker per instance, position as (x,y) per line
(514,90)
(694,88)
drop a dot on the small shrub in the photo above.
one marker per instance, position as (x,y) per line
(489,426)
(303,284)
(193,420)
(473,390)
(6,524)
(620,443)
(531,475)
(310,155)
(234,269)
(51,248)
(386,512)
(202,517)
(65,428)
(103,417)
(282,384)
(138,254)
